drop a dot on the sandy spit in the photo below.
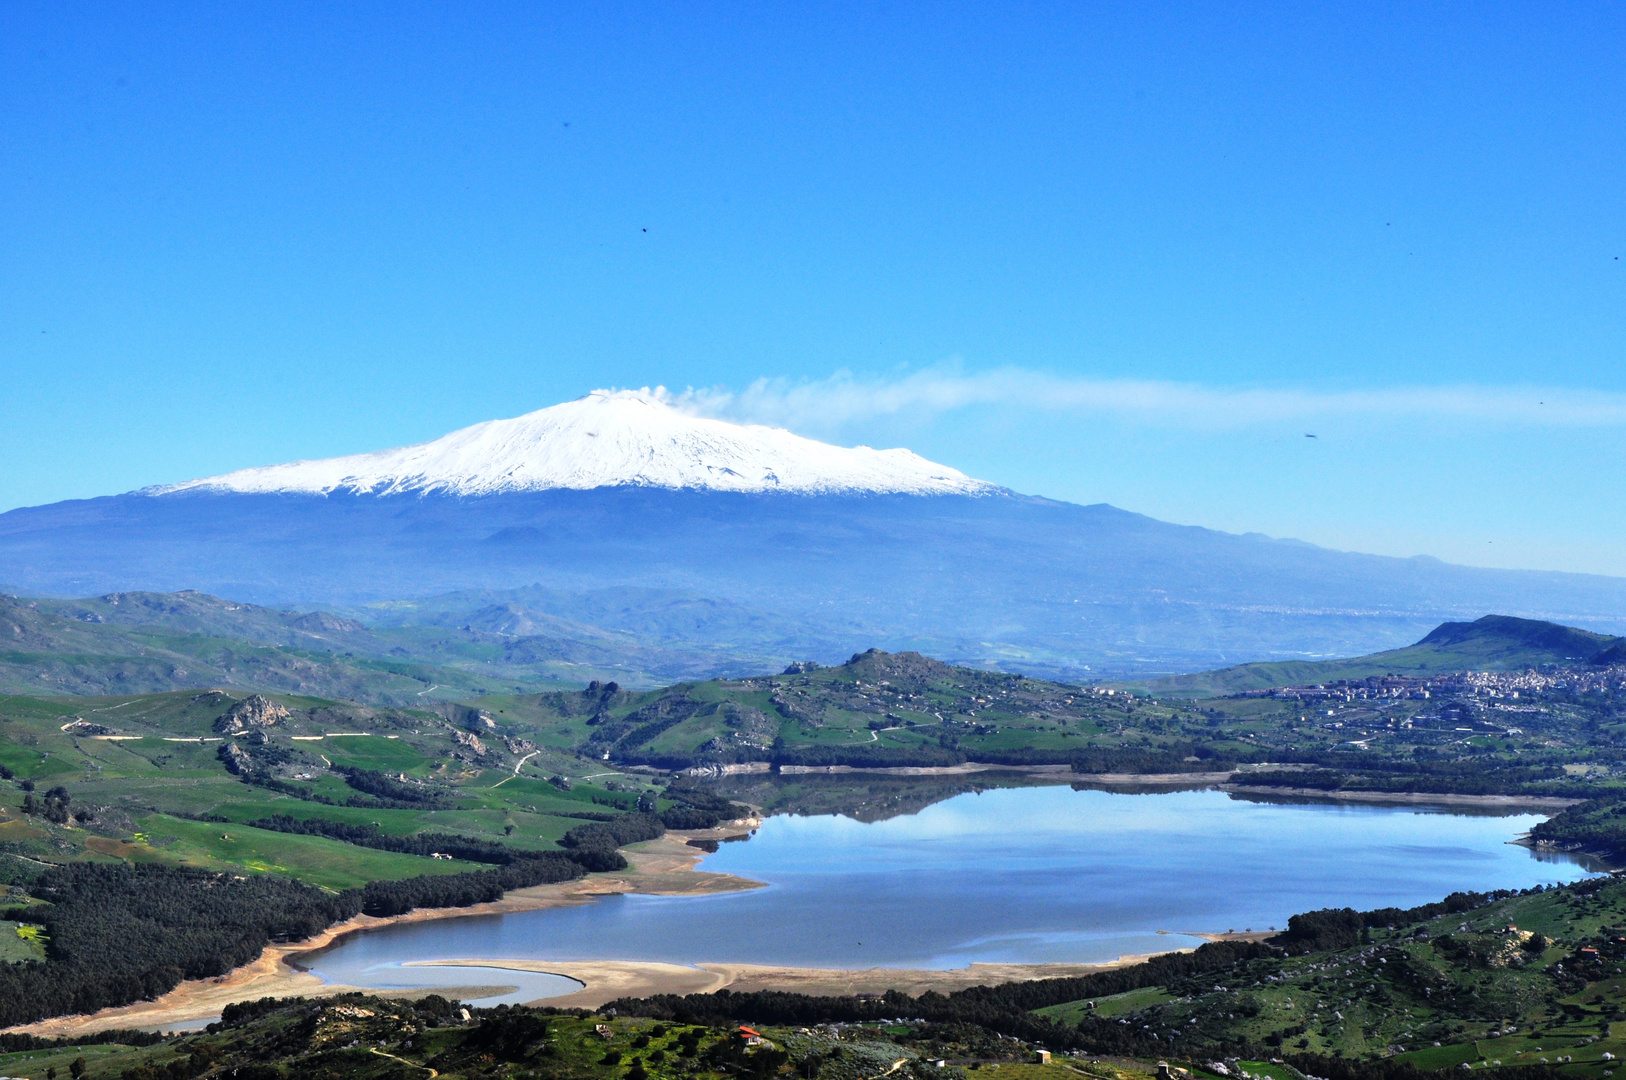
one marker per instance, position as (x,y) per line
(964,769)
(664,867)
(607,980)
(661,867)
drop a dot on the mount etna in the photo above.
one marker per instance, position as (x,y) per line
(811,549)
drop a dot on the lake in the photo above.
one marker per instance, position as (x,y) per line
(1014,875)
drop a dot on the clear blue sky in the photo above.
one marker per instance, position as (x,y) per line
(1119,253)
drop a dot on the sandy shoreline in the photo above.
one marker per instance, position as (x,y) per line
(1409,798)
(964,769)
(664,867)
(607,980)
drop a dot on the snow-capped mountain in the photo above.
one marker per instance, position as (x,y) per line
(607,439)
(830,549)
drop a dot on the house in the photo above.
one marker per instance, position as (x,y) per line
(1044,1057)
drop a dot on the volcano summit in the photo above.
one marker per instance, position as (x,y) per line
(815,550)
(610,438)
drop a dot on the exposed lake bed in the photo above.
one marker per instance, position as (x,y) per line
(1027,876)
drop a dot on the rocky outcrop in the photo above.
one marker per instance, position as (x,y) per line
(320,622)
(470,742)
(236,759)
(254,711)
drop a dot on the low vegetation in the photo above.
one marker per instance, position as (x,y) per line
(213,821)
(1522,986)
(1476,982)
(204,825)
(369,1037)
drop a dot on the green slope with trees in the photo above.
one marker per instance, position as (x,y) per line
(1492,643)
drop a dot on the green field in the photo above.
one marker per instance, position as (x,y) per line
(328,863)
(148,770)
(1112,1005)
(20,941)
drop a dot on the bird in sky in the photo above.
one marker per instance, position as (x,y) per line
(1307,435)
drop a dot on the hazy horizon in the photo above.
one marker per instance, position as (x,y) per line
(1128,256)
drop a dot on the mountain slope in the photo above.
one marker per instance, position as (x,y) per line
(832,549)
(1491,643)
(47,652)
(606,439)
(153,642)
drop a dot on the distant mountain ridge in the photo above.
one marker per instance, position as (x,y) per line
(144,642)
(830,548)
(1490,643)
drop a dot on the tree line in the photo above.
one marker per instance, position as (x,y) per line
(1082,760)
(1008,1009)
(370,836)
(1598,824)
(118,934)
(305,793)
(389,789)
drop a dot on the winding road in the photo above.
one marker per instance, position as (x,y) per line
(517,766)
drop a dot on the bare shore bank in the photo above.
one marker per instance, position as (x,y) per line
(664,867)
(606,980)
(1409,798)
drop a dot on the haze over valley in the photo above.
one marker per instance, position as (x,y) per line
(604,515)
(937,542)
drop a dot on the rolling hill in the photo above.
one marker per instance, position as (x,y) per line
(141,642)
(833,548)
(1491,643)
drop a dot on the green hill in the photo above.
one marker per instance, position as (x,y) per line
(878,709)
(151,642)
(144,642)
(1491,643)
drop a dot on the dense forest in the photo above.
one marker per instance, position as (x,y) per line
(1597,825)
(697,1036)
(118,934)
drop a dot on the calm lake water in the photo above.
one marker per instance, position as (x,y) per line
(1026,875)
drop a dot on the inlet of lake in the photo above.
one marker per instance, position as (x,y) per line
(1008,875)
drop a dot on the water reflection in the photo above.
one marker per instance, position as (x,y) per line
(1026,875)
